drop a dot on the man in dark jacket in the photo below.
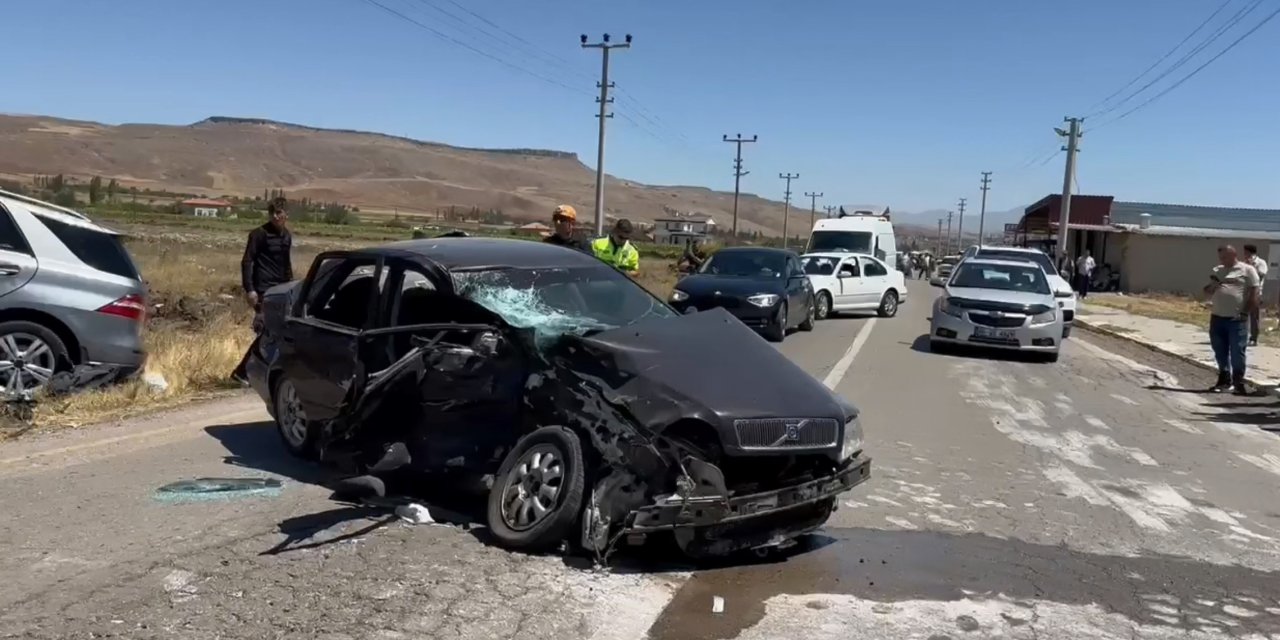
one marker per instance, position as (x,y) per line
(267,262)
(563,220)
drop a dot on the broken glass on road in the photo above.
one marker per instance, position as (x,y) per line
(218,489)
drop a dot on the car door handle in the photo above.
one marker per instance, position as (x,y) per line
(7,269)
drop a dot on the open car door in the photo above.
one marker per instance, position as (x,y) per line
(438,374)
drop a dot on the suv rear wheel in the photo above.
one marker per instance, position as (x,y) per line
(296,432)
(29,356)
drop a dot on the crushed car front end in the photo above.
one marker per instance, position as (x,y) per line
(728,453)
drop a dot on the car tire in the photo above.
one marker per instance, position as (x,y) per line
(810,316)
(298,434)
(1052,357)
(888,304)
(28,336)
(824,306)
(547,449)
(938,346)
(777,332)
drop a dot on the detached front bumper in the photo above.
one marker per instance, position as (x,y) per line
(674,512)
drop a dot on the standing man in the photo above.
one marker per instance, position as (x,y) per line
(1233,294)
(563,220)
(1084,272)
(616,250)
(1259,265)
(267,262)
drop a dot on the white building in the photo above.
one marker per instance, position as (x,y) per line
(681,227)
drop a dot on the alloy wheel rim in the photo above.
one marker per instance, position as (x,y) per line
(293,420)
(532,488)
(27,363)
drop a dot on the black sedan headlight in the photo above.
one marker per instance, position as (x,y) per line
(678,295)
(764,300)
(852,439)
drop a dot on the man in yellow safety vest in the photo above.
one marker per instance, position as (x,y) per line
(616,250)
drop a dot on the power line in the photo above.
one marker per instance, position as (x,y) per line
(1231,22)
(461,43)
(514,36)
(1155,64)
(1191,75)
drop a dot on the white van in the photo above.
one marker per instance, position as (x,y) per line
(856,229)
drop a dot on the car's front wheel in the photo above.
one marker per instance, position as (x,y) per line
(298,434)
(810,316)
(824,305)
(537,494)
(888,304)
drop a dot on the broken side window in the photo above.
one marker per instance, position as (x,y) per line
(344,290)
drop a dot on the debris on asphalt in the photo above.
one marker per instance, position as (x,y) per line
(178,585)
(717,604)
(218,489)
(85,377)
(415,513)
(155,381)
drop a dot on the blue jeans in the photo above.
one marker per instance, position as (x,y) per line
(1228,336)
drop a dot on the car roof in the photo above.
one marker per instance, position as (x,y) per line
(466,254)
(1000,262)
(835,254)
(53,212)
(1013,249)
(781,252)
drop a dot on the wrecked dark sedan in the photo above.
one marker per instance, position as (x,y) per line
(594,410)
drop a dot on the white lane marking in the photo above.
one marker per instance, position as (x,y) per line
(900,522)
(1073,486)
(1126,399)
(1096,423)
(842,366)
(1266,462)
(883,500)
(1182,426)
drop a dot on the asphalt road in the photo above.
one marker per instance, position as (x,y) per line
(1088,498)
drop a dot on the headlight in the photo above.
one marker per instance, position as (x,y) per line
(1045,318)
(678,295)
(852,439)
(763,299)
(1064,294)
(945,307)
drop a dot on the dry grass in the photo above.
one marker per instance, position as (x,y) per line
(1181,309)
(200,327)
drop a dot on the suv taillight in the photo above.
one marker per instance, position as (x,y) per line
(131,306)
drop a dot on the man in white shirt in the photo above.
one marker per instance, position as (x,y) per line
(1255,315)
(1084,273)
(1233,294)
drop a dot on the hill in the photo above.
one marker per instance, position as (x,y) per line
(376,172)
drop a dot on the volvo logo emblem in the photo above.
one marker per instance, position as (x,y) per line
(997,314)
(791,432)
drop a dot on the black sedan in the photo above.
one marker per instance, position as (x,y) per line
(596,409)
(766,289)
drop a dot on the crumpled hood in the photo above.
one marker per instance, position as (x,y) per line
(733,286)
(706,365)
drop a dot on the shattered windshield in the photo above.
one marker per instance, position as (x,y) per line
(750,264)
(555,302)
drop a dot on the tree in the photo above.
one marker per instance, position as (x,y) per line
(113,188)
(95,190)
(133,192)
(65,197)
(55,183)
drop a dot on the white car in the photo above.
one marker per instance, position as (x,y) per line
(1062,291)
(853,282)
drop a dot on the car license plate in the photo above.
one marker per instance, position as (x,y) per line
(998,334)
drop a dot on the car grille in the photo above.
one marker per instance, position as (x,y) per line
(787,433)
(995,341)
(1003,322)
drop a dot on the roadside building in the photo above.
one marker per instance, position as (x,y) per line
(678,228)
(205,208)
(534,230)
(1154,247)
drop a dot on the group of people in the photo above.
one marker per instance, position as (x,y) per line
(614,249)
(919,266)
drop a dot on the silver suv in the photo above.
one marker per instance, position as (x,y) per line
(69,295)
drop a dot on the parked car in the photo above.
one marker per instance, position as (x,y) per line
(1003,304)
(943,271)
(1062,291)
(69,295)
(596,408)
(764,288)
(853,282)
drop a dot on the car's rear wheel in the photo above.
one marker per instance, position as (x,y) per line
(824,306)
(888,304)
(537,494)
(810,316)
(29,356)
(298,434)
(777,331)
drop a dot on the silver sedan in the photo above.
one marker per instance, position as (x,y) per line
(1000,304)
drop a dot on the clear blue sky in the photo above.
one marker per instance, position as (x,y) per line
(899,102)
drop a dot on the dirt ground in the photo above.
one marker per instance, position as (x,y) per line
(1182,309)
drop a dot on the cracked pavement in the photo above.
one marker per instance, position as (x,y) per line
(1092,498)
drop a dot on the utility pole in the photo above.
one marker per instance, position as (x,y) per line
(737,176)
(786,203)
(982,215)
(960,228)
(939,243)
(813,206)
(948,251)
(830,208)
(605,47)
(1072,134)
